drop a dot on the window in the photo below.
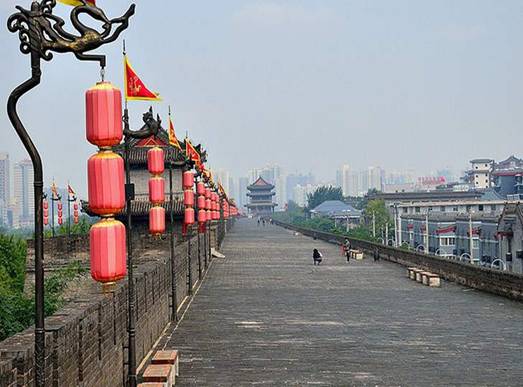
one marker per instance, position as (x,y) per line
(447,241)
(480,207)
(442,208)
(455,209)
(468,208)
(475,243)
(492,207)
(417,210)
(405,209)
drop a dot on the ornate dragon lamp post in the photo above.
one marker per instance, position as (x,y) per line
(41,33)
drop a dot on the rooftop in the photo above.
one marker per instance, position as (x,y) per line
(336,208)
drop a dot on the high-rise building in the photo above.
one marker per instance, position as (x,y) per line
(24,194)
(223,177)
(5,183)
(243,182)
(294,179)
(342,179)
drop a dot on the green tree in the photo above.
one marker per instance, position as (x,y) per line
(323,194)
(378,213)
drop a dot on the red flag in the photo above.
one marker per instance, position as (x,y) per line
(70,190)
(192,153)
(172,136)
(135,89)
(78,2)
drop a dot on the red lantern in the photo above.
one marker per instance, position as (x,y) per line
(207,193)
(202,216)
(46,213)
(75,213)
(46,220)
(155,161)
(157,220)
(76,220)
(105,175)
(188,198)
(200,188)
(188,179)
(59,206)
(108,251)
(75,206)
(209,215)
(189,216)
(208,204)
(45,204)
(104,115)
(201,202)
(60,221)
(157,190)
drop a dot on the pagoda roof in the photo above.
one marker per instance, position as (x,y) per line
(260,184)
(139,147)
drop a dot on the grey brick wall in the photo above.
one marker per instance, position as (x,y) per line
(86,340)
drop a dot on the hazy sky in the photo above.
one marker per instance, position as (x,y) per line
(307,84)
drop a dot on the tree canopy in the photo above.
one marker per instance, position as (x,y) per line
(323,194)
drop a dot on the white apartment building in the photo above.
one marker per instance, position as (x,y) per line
(24,194)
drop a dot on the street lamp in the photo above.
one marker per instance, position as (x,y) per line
(151,128)
(41,33)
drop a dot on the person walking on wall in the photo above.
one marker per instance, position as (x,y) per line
(347,248)
(316,257)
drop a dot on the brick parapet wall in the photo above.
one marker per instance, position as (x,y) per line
(493,281)
(86,340)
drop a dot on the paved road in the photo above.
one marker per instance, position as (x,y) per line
(266,316)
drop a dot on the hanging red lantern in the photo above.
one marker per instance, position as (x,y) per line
(104,115)
(157,220)
(188,180)
(208,204)
(105,173)
(207,193)
(202,216)
(46,220)
(45,204)
(188,198)
(76,219)
(75,206)
(200,188)
(201,202)
(189,216)
(155,160)
(108,251)
(60,213)
(46,213)
(59,206)
(157,190)
(60,221)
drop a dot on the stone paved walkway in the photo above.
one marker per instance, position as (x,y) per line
(266,316)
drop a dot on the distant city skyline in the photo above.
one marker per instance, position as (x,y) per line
(397,84)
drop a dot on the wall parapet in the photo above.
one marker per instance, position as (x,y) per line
(86,340)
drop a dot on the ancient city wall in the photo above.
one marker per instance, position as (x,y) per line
(86,340)
(493,281)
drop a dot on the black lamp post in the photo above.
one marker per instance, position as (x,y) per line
(41,33)
(71,198)
(54,198)
(151,128)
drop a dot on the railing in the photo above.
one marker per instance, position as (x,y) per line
(490,280)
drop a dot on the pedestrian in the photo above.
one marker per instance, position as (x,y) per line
(347,248)
(316,257)
(263,222)
(376,254)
